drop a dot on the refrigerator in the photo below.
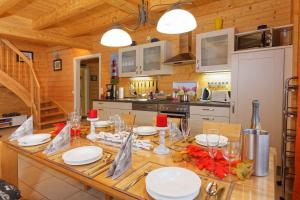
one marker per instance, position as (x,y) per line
(260,74)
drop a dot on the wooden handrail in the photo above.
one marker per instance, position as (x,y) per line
(28,78)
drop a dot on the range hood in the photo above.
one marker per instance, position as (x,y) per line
(185,47)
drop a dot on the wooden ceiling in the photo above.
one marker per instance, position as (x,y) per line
(67,22)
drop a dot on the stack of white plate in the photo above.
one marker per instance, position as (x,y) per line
(145,130)
(173,183)
(102,124)
(82,155)
(34,139)
(202,139)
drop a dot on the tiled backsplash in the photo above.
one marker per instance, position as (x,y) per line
(215,81)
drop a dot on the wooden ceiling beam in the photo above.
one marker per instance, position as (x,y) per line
(39,36)
(124,6)
(70,10)
(6,5)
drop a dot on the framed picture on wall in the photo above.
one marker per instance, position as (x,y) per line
(57,64)
(28,54)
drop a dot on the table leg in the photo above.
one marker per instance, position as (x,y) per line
(9,164)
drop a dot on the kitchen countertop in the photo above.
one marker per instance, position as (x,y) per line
(156,101)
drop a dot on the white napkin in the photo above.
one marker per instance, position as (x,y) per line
(60,142)
(118,138)
(25,129)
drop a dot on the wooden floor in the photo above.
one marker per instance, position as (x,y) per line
(38,182)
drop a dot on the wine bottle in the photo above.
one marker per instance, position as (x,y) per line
(255,121)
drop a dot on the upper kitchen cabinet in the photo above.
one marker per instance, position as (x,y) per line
(145,60)
(213,50)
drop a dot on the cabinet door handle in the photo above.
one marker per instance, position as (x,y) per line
(209,118)
(100,109)
(233,107)
(208,109)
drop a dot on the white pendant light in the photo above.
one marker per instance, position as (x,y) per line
(116,37)
(176,21)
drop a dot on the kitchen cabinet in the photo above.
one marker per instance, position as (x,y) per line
(260,74)
(144,118)
(107,109)
(145,60)
(200,113)
(213,50)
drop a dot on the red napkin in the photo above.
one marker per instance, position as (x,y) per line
(59,127)
(202,159)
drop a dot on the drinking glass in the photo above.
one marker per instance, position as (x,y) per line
(75,120)
(212,142)
(231,152)
(185,128)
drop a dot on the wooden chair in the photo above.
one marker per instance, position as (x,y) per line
(232,131)
(128,118)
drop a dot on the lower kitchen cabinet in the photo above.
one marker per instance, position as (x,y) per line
(200,113)
(107,109)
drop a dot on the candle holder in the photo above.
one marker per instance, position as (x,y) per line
(92,134)
(162,149)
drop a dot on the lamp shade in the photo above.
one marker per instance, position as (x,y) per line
(116,37)
(176,21)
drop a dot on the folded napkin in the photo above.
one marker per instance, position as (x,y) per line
(123,159)
(25,129)
(118,138)
(60,142)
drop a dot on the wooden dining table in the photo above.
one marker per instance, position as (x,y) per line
(94,175)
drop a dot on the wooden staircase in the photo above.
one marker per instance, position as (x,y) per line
(18,75)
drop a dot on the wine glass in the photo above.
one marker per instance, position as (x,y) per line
(212,142)
(185,128)
(231,152)
(75,120)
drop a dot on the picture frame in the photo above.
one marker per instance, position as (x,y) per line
(57,65)
(28,54)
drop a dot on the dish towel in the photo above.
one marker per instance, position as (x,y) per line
(123,159)
(25,129)
(60,142)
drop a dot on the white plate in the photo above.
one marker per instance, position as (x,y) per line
(102,124)
(201,139)
(34,139)
(173,182)
(34,143)
(82,155)
(158,197)
(145,130)
(83,163)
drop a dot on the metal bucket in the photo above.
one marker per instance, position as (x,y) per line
(255,147)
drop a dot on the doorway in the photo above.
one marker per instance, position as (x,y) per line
(87,82)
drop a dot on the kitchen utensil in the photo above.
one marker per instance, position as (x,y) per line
(211,189)
(255,147)
(82,155)
(171,182)
(34,139)
(132,183)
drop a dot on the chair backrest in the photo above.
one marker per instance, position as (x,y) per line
(232,131)
(128,118)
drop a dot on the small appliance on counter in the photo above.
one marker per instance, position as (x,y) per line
(205,94)
(111,91)
(220,96)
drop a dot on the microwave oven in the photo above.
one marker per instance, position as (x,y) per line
(254,39)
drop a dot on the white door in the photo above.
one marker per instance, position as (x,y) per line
(259,75)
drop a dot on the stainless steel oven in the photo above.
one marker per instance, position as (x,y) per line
(173,110)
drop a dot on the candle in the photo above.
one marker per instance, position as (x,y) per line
(93,113)
(161,120)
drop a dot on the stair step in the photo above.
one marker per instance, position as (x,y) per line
(53,121)
(48,108)
(51,114)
